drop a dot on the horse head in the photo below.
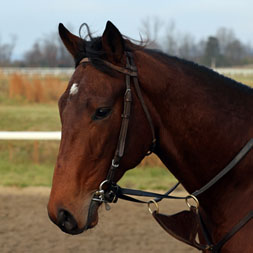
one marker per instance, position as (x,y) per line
(91,116)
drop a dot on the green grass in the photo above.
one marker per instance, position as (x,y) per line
(27,174)
(19,166)
(35,117)
(22,163)
(155,178)
(245,79)
(24,174)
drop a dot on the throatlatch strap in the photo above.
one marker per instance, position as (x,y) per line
(144,107)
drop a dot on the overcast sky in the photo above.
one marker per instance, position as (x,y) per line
(32,19)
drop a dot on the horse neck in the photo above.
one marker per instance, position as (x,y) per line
(198,115)
(202,121)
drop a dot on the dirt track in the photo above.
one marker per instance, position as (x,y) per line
(128,227)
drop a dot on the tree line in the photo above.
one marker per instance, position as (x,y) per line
(222,49)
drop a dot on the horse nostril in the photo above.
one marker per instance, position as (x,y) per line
(66,221)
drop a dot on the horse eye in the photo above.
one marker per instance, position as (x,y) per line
(101,113)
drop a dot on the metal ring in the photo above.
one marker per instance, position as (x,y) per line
(114,164)
(194,198)
(156,205)
(149,153)
(102,184)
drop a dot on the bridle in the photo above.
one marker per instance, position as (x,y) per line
(109,191)
(130,71)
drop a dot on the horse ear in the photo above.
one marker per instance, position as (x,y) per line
(113,42)
(74,44)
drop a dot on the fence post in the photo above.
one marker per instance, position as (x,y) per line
(36,152)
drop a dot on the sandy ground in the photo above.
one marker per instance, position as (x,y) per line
(128,227)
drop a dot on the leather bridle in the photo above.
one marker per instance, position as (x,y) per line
(130,71)
(109,191)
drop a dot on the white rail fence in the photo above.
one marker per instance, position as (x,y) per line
(234,71)
(16,135)
(38,71)
(69,71)
(35,137)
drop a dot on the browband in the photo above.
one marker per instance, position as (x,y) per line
(131,71)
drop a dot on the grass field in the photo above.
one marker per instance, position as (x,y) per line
(21,165)
(245,79)
(25,163)
(35,117)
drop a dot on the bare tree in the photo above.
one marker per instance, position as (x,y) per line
(224,36)
(150,28)
(171,41)
(64,57)
(48,52)
(33,57)
(212,52)
(187,48)
(6,50)
(235,53)
(223,49)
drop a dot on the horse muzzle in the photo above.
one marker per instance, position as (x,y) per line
(67,222)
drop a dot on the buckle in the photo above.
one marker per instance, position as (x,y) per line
(115,165)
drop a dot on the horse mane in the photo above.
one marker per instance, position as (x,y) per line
(93,49)
(195,67)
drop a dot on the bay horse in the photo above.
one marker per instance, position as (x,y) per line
(194,119)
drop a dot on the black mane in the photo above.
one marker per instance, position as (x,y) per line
(94,51)
(165,58)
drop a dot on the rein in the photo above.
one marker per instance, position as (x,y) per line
(110,192)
